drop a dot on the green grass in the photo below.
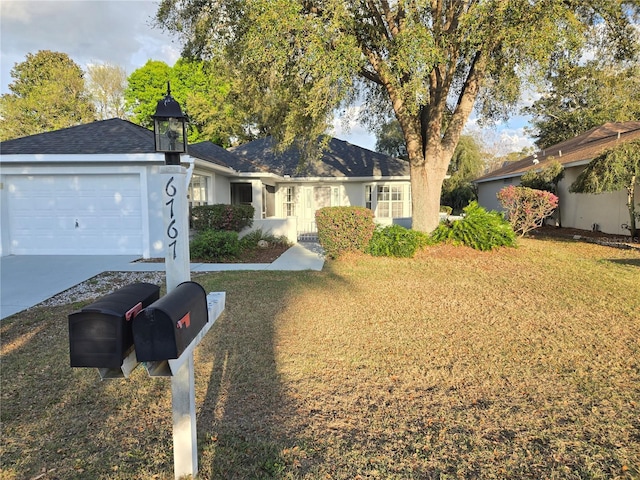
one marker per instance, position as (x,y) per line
(518,363)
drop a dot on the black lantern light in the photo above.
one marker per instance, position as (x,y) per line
(170,129)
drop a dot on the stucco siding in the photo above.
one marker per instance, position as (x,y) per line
(582,210)
(578,210)
(487,192)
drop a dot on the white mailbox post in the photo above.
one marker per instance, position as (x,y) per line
(170,138)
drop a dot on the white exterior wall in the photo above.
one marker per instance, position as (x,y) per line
(275,226)
(221,190)
(154,191)
(354,194)
(582,210)
(108,166)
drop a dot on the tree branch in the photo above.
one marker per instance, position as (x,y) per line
(467,98)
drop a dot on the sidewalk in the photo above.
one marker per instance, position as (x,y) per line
(27,280)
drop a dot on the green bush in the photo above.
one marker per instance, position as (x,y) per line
(446,209)
(396,241)
(344,229)
(222,217)
(215,245)
(478,229)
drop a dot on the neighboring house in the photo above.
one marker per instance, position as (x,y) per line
(606,212)
(95,189)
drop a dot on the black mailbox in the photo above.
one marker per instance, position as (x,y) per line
(163,330)
(100,334)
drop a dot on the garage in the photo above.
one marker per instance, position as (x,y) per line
(68,214)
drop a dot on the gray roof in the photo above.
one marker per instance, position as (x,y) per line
(341,159)
(101,137)
(111,136)
(215,154)
(117,136)
(584,147)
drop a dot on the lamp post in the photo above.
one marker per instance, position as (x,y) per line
(169,125)
(170,129)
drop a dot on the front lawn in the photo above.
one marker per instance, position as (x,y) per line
(517,363)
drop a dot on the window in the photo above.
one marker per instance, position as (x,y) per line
(390,201)
(241,194)
(198,190)
(289,201)
(335,196)
(368,196)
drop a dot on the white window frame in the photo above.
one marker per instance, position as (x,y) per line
(199,187)
(289,201)
(388,200)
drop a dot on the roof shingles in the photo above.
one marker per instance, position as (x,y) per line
(582,148)
(101,137)
(341,159)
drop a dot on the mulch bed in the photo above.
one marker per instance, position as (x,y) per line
(601,238)
(257,255)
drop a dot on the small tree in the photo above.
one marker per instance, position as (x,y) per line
(526,208)
(615,169)
(546,179)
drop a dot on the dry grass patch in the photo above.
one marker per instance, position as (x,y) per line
(520,363)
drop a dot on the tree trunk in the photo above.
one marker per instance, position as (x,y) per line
(631,204)
(425,198)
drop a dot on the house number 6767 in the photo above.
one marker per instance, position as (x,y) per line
(172,231)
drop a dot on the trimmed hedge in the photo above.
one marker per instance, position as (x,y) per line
(478,229)
(396,241)
(222,217)
(344,229)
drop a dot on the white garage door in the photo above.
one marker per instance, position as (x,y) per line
(75,214)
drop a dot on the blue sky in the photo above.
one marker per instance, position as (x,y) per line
(120,32)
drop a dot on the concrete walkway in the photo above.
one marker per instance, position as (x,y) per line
(26,280)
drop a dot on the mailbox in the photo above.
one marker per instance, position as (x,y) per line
(164,329)
(100,335)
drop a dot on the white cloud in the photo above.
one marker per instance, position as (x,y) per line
(89,31)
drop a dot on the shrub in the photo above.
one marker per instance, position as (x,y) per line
(446,209)
(396,241)
(478,229)
(222,217)
(215,245)
(344,229)
(526,207)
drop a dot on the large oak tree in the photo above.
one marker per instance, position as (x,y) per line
(423,60)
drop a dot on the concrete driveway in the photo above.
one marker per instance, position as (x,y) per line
(26,280)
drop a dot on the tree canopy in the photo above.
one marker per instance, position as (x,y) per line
(203,89)
(614,169)
(106,84)
(420,61)
(47,93)
(583,96)
(390,141)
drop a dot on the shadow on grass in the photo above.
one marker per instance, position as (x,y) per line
(248,424)
(625,261)
(63,422)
